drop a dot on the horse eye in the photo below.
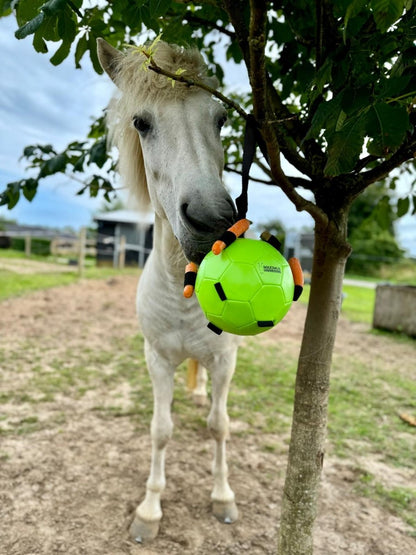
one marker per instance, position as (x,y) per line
(142,125)
(221,122)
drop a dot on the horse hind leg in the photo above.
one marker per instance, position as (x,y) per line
(145,525)
(223,499)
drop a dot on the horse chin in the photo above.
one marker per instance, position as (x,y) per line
(196,251)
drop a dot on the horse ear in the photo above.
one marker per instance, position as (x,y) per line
(110,58)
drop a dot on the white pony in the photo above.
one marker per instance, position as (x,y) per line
(171,154)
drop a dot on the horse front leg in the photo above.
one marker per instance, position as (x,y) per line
(149,513)
(223,503)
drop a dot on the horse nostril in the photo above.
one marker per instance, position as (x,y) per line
(195,220)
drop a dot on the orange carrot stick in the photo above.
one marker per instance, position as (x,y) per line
(230,235)
(190,278)
(297,277)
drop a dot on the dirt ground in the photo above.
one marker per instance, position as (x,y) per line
(72,486)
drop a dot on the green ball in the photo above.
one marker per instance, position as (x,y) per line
(245,290)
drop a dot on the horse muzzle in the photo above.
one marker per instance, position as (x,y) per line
(202,224)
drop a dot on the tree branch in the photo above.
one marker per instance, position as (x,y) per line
(191,18)
(295,181)
(255,179)
(286,184)
(257,69)
(407,152)
(194,83)
(235,10)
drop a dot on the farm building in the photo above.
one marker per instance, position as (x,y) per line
(132,229)
(301,246)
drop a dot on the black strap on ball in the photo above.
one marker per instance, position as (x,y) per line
(228,237)
(189,279)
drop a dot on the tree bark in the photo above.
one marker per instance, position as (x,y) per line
(306,452)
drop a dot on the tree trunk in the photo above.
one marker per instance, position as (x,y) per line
(306,452)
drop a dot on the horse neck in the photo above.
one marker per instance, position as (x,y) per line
(169,256)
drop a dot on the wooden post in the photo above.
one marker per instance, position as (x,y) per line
(81,251)
(28,245)
(54,246)
(122,252)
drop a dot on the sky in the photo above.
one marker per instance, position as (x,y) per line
(44,104)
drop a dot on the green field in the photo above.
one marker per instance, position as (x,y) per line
(13,284)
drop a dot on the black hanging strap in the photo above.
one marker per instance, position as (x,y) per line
(252,138)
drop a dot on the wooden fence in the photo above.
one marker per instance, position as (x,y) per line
(78,248)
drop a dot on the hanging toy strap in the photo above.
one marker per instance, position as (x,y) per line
(249,151)
(252,138)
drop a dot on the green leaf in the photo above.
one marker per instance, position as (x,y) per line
(92,45)
(49,29)
(30,189)
(39,43)
(80,50)
(98,153)
(326,116)
(344,147)
(11,195)
(382,213)
(67,28)
(403,205)
(5,7)
(53,7)
(27,10)
(149,21)
(79,164)
(159,7)
(30,27)
(387,126)
(61,53)
(54,165)
(386,12)
(234,52)
(395,86)
(353,9)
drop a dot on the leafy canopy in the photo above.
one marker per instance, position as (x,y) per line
(340,82)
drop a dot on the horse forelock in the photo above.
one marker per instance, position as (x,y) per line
(140,87)
(136,79)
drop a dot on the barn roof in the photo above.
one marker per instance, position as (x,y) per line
(126,217)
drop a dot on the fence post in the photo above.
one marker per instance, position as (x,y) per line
(122,252)
(81,251)
(28,245)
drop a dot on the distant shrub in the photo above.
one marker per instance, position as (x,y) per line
(40,247)
(18,244)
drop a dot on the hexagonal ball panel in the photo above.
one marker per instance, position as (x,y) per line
(240,281)
(270,303)
(236,314)
(208,297)
(213,266)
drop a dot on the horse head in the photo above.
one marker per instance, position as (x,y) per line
(169,143)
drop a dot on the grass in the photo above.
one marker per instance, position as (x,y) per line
(400,501)
(363,409)
(13,284)
(357,303)
(363,412)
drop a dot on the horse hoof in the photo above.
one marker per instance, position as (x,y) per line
(144,530)
(226,512)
